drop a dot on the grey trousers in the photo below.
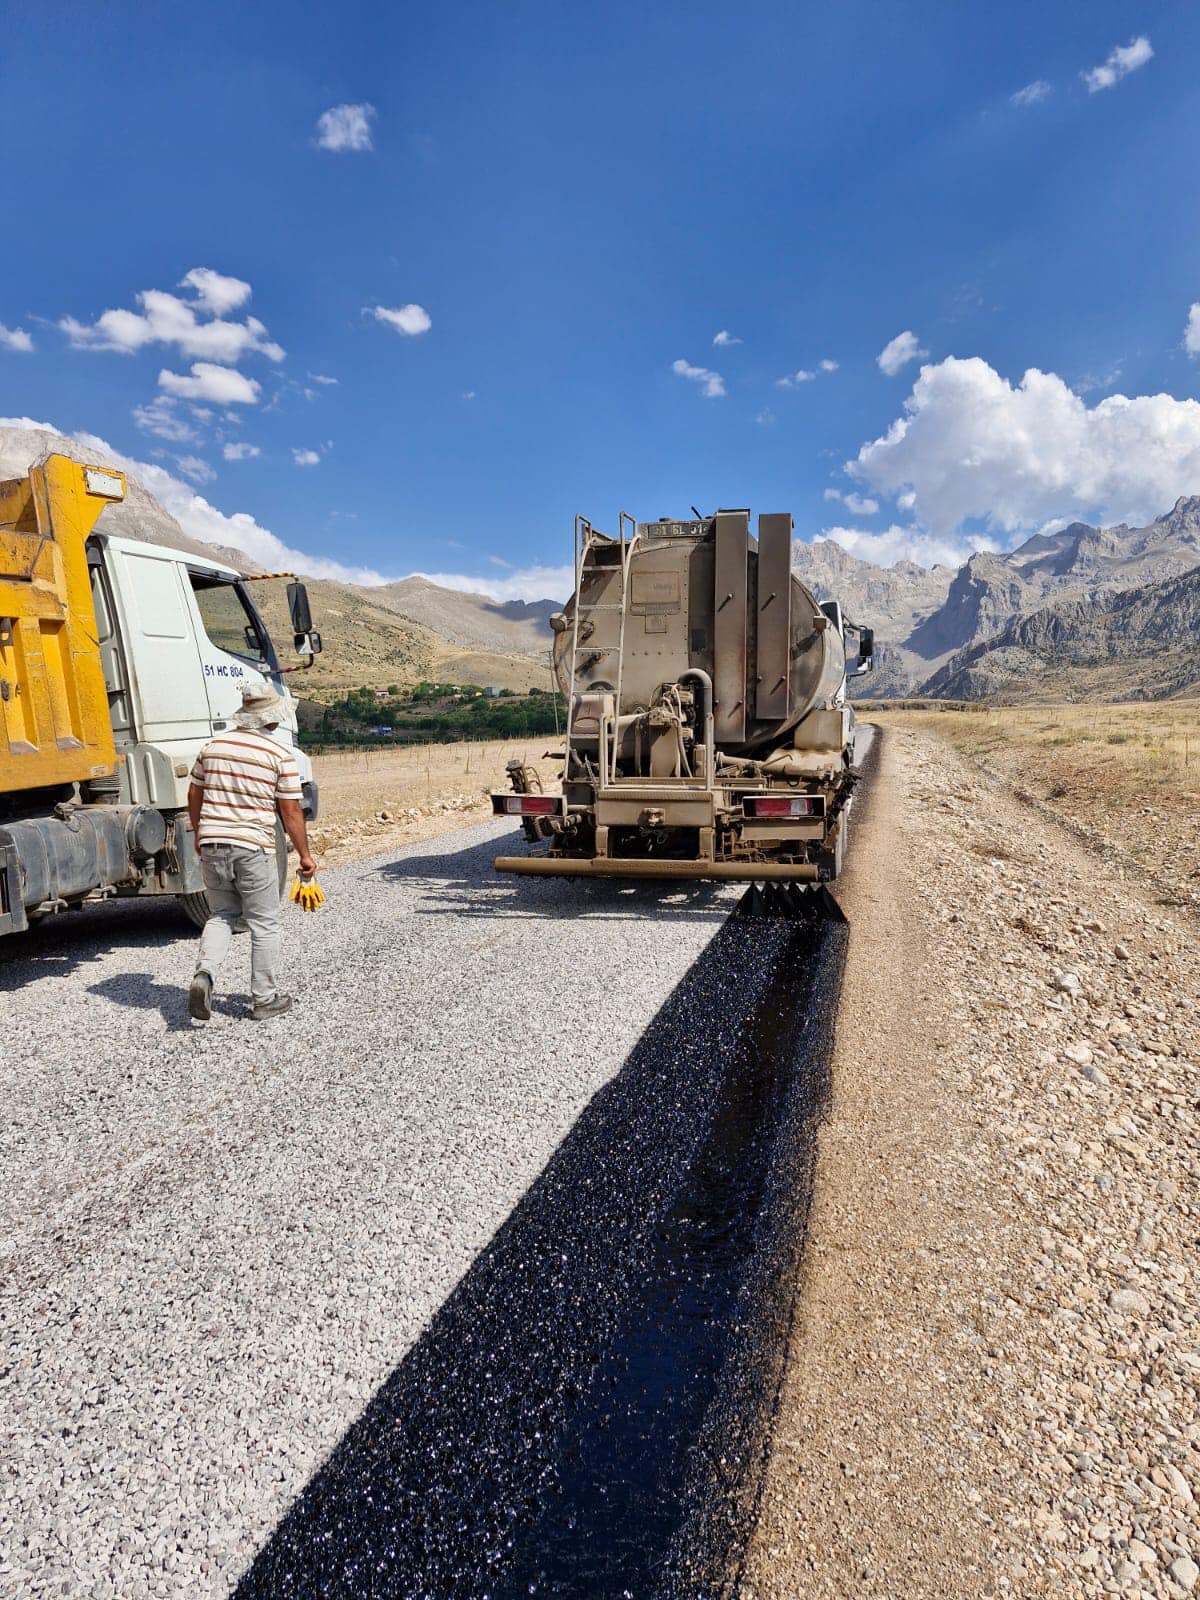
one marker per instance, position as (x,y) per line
(241,883)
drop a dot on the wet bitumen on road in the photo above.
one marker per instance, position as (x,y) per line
(587,1413)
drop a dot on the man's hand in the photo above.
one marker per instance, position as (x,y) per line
(307,866)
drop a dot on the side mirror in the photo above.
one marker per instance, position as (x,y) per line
(314,642)
(250,633)
(299,607)
(866,653)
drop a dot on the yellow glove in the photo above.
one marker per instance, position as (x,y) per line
(306,893)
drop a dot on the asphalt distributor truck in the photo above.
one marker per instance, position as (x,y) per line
(118,661)
(708,734)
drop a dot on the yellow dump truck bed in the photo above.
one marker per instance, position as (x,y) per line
(54,721)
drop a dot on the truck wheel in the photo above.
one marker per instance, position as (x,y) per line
(195,906)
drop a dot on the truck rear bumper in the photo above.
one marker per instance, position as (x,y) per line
(615,867)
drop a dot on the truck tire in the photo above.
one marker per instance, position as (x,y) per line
(196,905)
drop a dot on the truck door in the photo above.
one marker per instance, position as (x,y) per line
(234,645)
(161,649)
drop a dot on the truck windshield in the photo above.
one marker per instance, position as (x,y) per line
(228,620)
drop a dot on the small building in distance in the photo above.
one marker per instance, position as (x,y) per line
(491,692)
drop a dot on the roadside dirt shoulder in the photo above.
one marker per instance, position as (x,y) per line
(996,1358)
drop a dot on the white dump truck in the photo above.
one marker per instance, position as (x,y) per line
(118,660)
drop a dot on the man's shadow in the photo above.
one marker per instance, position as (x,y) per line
(141,991)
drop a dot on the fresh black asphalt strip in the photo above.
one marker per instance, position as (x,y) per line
(587,1413)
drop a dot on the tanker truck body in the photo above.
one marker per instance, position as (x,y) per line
(118,661)
(708,733)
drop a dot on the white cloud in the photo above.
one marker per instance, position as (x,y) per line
(409,320)
(346,128)
(15,339)
(222,385)
(1092,381)
(305,458)
(765,417)
(906,544)
(971,445)
(215,292)
(725,338)
(468,394)
(712,384)
(319,377)
(524,583)
(240,452)
(1191,334)
(167,319)
(197,517)
(861,505)
(1032,93)
(194,468)
(806,374)
(161,418)
(1120,62)
(898,352)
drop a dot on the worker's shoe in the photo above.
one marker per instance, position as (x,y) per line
(264,1010)
(200,997)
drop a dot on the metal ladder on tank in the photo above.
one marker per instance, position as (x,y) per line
(586,542)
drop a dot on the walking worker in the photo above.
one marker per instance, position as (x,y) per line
(240,780)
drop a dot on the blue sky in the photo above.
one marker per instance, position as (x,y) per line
(578,201)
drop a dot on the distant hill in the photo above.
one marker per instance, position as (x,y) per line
(939,630)
(473,621)
(373,636)
(1140,643)
(1091,597)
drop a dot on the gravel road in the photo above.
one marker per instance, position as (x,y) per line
(219,1241)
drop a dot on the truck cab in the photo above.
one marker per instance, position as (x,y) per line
(118,661)
(180,638)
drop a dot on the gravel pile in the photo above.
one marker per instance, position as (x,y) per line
(219,1241)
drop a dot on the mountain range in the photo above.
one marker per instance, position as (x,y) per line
(1081,612)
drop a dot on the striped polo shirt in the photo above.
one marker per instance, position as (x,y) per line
(243,775)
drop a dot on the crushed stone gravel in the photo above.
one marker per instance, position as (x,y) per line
(219,1240)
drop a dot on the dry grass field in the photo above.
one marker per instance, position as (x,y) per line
(379,799)
(1127,774)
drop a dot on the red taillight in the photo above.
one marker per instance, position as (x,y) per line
(785,805)
(530,805)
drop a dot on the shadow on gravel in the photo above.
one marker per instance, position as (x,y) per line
(588,1413)
(144,993)
(70,940)
(465,883)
